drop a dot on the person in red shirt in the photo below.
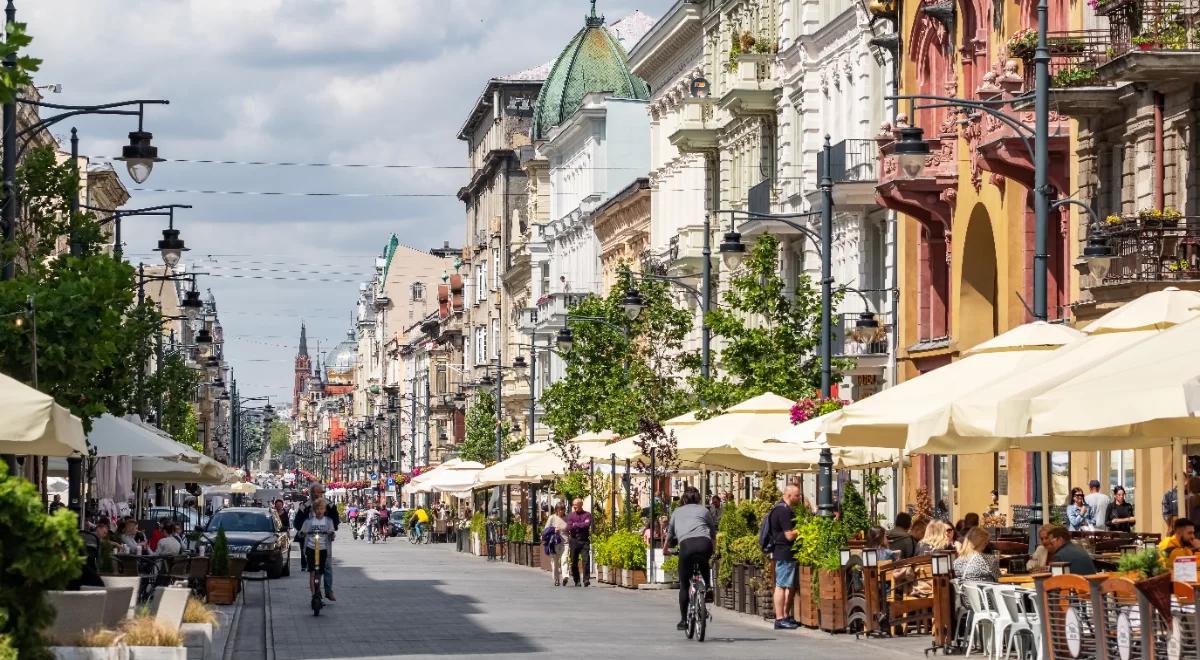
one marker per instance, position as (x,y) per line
(157,535)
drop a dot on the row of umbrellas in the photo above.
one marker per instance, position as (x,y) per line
(1129,380)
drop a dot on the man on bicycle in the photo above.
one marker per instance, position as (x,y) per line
(693,530)
(419,519)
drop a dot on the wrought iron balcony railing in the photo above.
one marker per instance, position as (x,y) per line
(854,160)
(1153,249)
(1151,24)
(853,338)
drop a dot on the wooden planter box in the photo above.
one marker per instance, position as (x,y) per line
(806,607)
(727,598)
(739,588)
(533,555)
(543,559)
(751,587)
(221,590)
(632,578)
(602,573)
(832,614)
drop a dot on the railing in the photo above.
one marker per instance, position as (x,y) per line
(1074,58)
(1151,24)
(851,340)
(853,160)
(1153,250)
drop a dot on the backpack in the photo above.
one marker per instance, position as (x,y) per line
(766,540)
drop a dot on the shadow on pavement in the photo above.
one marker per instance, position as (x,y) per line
(380,617)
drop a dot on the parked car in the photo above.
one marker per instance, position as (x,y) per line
(255,533)
(397,520)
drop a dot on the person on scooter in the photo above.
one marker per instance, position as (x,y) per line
(317,492)
(318,524)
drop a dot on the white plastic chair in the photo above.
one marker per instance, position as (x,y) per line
(1010,599)
(983,620)
(1028,604)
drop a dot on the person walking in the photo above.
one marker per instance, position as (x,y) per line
(317,492)
(692,528)
(579,531)
(1119,515)
(781,530)
(716,509)
(554,543)
(1098,502)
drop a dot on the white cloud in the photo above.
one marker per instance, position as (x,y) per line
(349,81)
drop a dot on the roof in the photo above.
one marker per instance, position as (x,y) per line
(535,74)
(593,61)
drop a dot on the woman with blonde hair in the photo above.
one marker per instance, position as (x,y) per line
(937,537)
(972,563)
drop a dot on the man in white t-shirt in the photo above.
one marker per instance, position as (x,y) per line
(1098,502)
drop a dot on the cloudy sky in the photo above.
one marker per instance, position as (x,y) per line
(344,82)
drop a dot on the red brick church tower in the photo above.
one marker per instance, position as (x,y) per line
(303,369)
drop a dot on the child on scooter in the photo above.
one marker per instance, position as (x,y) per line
(317,529)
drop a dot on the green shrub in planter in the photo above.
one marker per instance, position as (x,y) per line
(670,565)
(516,532)
(601,551)
(479,527)
(627,551)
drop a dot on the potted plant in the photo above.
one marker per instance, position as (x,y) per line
(629,554)
(92,645)
(1145,42)
(220,585)
(148,639)
(670,568)
(1076,76)
(478,529)
(198,624)
(1022,43)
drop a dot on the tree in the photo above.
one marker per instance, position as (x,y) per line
(281,439)
(480,441)
(596,394)
(771,337)
(177,383)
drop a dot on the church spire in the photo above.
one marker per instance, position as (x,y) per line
(303,340)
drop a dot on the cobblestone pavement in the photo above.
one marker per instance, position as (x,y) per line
(396,599)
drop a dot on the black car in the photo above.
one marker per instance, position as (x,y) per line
(256,534)
(397,519)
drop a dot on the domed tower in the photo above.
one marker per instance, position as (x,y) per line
(303,364)
(593,61)
(339,366)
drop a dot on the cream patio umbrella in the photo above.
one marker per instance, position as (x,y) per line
(32,424)
(884,419)
(711,443)
(996,418)
(804,445)
(129,436)
(1139,398)
(453,475)
(627,448)
(544,461)
(415,486)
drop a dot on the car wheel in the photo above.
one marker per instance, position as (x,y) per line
(275,570)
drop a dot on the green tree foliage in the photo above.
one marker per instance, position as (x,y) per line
(854,511)
(92,337)
(480,441)
(38,553)
(596,394)
(281,439)
(177,384)
(20,76)
(771,335)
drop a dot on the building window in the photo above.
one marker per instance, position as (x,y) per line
(481,345)
(495,338)
(495,268)
(418,292)
(480,282)
(1120,471)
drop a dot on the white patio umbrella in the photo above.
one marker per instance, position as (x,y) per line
(32,424)
(243,488)
(450,476)
(996,418)
(751,423)
(918,406)
(803,446)
(1139,398)
(627,448)
(128,436)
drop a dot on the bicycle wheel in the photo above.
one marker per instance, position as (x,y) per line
(701,616)
(412,537)
(427,537)
(690,631)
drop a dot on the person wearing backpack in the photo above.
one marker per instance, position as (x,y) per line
(775,536)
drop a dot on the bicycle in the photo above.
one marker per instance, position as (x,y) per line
(416,539)
(698,616)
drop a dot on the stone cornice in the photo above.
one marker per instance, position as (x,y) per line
(673,35)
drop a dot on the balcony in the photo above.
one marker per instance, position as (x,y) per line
(552,309)
(1076,87)
(852,166)
(928,198)
(697,132)
(1149,249)
(753,89)
(687,251)
(849,340)
(1151,40)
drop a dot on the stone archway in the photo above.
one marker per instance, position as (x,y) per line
(979,314)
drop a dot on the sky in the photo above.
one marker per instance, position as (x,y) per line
(382,83)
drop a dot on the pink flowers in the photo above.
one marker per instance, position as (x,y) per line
(809,408)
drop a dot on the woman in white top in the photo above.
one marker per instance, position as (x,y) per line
(558,554)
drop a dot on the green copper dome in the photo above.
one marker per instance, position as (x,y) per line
(594,61)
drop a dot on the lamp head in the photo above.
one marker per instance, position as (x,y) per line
(733,250)
(632,304)
(519,362)
(140,156)
(171,247)
(565,339)
(911,151)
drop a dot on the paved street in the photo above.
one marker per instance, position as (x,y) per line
(399,600)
